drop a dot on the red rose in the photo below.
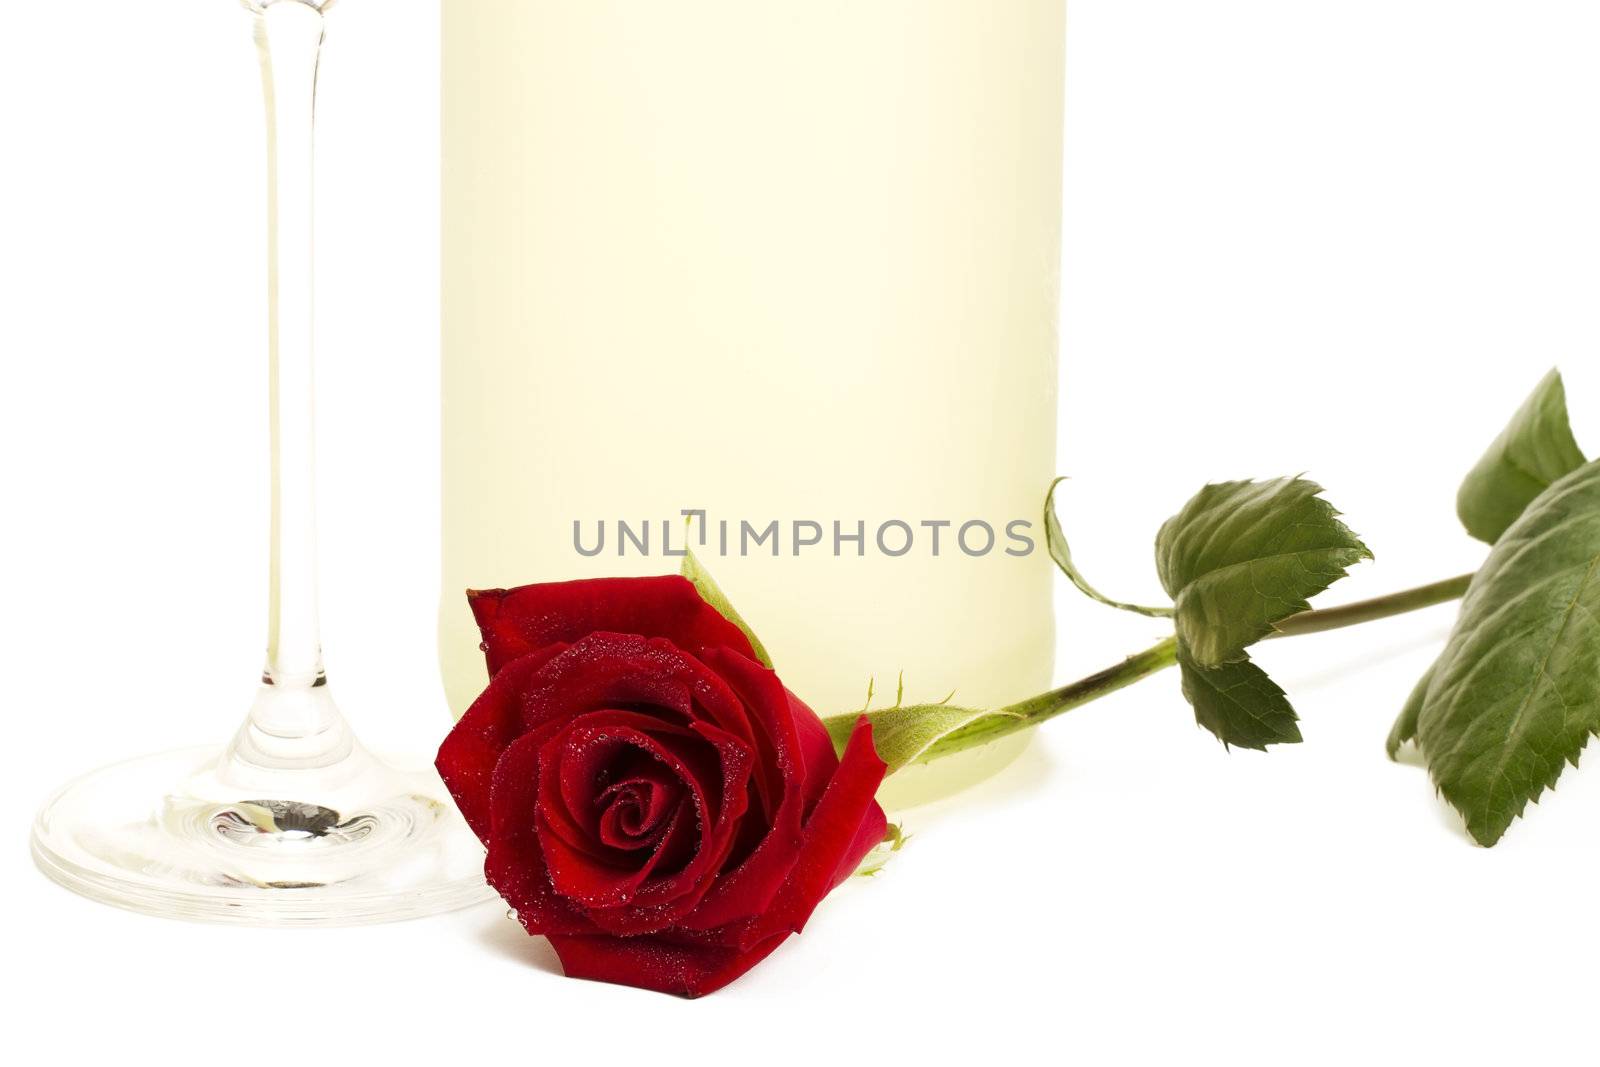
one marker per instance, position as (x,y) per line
(654,801)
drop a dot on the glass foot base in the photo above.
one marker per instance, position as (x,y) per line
(181,834)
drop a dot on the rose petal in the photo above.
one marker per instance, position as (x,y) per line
(659,964)
(515,622)
(633,810)
(580,753)
(764,716)
(573,775)
(468,755)
(630,897)
(749,888)
(516,866)
(816,748)
(606,670)
(839,833)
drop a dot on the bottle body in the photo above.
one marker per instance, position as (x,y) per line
(791,267)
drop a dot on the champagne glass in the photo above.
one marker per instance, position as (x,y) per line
(293,821)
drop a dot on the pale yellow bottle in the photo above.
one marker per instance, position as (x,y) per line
(791,260)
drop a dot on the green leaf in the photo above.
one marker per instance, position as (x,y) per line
(1238,703)
(712,594)
(1241,556)
(1405,727)
(1533,451)
(1056,541)
(894,839)
(1515,695)
(902,735)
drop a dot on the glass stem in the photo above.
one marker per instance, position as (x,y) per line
(293,723)
(289,39)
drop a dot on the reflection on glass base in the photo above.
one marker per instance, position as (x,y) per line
(927,782)
(174,835)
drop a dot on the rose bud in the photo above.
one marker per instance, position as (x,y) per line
(653,800)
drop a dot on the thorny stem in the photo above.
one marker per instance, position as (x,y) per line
(1158,657)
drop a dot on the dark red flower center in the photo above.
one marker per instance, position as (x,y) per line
(636,810)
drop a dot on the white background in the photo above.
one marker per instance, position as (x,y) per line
(1344,238)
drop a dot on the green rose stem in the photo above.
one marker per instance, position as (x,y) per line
(1381,607)
(1029,713)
